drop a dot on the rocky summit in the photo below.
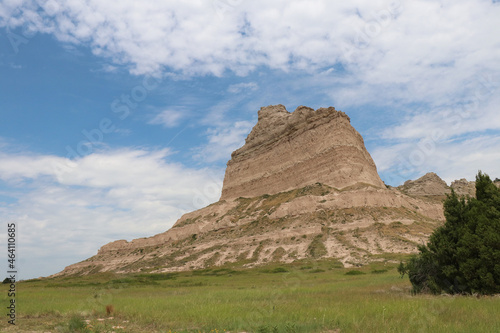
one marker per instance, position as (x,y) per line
(285,151)
(303,186)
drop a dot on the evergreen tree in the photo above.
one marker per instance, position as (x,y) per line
(462,256)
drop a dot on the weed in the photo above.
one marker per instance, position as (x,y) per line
(77,324)
(290,328)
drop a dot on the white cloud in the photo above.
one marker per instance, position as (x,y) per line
(454,141)
(389,53)
(382,41)
(74,207)
(169,118)
(451,159)
(222,141)
(476,111)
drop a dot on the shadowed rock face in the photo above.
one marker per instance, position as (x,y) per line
(286,150)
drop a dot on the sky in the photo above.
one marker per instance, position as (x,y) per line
(117,117)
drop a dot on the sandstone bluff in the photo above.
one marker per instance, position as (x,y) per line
(302,186)
(285,151)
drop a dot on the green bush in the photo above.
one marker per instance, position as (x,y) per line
(379,271)
(7,281)
(462,256)
(279,270)
(354,272)
(77,324)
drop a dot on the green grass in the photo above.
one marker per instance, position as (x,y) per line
(299,297)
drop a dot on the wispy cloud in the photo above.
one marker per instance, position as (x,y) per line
(222,141)
(451,159)
(169,118)
(239,87)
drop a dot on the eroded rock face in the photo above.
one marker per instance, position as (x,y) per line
(316,221)
(429,184)
(286,150)
(464,187)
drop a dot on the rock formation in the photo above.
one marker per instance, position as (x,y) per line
(303,186)
(286,150)
(432,185)
(464,187)
(429,184)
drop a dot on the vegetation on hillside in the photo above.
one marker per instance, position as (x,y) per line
(462,256)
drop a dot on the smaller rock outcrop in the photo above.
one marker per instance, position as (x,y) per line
(428,185)
(464,187)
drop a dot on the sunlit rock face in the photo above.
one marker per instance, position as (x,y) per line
(292,150)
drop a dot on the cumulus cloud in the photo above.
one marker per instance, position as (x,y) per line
(67,209)
(389,53)
(385,41)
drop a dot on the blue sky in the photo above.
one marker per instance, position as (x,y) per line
(117,118)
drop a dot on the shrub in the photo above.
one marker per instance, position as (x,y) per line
(462,256)
(279,270)
(379,271)
(354,272)
(77,324)
(7,281)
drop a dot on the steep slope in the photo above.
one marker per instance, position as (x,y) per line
(354,225)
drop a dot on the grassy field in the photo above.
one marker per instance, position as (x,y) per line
(300,297)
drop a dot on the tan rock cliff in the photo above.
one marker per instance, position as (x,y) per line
(286,150)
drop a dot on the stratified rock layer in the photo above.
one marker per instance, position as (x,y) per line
(354,225)
(286,151)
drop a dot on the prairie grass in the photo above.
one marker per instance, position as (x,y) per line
(298,297)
